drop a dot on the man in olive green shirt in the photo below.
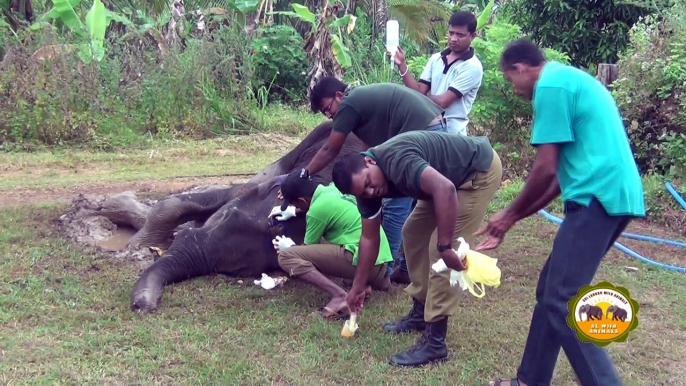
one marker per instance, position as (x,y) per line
(333,217)
(374,113)
(453,177)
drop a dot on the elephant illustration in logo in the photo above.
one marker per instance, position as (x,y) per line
(617,313)
(591,312)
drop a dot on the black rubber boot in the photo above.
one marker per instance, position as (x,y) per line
(429,348)
(413,321)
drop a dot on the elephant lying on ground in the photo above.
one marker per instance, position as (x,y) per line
(227,229)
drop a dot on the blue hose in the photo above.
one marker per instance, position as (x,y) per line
(676,195)
(630,252)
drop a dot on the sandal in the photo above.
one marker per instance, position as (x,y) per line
(329,313)
(513,381)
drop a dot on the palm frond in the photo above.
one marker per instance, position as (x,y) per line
(418,18)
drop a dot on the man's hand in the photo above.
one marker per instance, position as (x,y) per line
(495,230)
(399,58)
(284,215)
(452,260)
(355,299)
(282,242)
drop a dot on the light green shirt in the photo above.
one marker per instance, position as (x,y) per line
(573,109)
(335,217)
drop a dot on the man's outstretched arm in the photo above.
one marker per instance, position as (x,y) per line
(366,257)
(540,186)
(550,194)
(444,196)
(326,153)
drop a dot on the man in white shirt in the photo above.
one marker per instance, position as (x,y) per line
(453,75)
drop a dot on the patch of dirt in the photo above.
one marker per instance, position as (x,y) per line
(82,223)
(93,233)
(32,195)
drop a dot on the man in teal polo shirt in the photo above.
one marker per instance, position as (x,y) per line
(582,152)
(334,217)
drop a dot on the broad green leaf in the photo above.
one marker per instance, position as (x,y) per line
(119,18)
(85,53)
(96,23)
(340,52)
(245,6)
(68,16)
(304,13)
(340,22)
(483,17)
(54,12)
(4,24)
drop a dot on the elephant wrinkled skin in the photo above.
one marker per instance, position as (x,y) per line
(223,230)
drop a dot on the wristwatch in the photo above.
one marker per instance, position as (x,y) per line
(304,173)
(443,247)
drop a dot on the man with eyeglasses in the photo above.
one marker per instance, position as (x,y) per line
(374,113)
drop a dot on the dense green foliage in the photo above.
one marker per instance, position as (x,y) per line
(217,80)
(651,92)
(590,31)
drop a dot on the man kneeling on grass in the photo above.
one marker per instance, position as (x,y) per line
(334,217)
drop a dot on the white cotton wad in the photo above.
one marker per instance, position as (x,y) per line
(455,276)
(266,282)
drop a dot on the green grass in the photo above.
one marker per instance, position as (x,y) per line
(66,320)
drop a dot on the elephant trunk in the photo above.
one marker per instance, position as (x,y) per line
(580,312)
(607,313)
(185,259)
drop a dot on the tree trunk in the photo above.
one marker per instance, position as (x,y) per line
(23,8)
(318,47)
(380,18)
(607,74)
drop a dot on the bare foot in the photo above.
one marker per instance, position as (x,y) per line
(337,306)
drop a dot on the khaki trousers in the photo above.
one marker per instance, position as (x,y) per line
(328,259)
(419,239)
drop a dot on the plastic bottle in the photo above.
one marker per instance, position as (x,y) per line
(392,38)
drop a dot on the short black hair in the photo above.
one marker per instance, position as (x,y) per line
(522,51)
(325,88)
(294,187)
(343,170)
(463,18)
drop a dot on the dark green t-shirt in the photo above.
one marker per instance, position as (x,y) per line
(403,158)
(377,112)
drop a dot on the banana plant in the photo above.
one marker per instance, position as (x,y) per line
(340,52)
(97,20)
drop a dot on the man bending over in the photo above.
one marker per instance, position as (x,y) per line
(442,171)
(334,217)
(374,113)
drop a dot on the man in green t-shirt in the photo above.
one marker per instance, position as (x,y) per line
(334,217)
(453,177)
(374,113)
(582,152)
